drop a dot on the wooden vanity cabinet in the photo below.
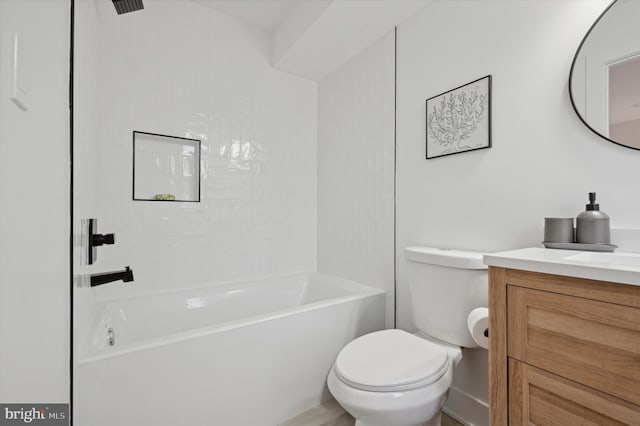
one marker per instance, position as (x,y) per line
(562,351)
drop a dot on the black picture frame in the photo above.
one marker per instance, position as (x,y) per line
(459,120)
(198,146)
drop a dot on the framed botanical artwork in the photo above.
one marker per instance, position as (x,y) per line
(459,120)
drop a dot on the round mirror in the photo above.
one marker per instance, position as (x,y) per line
(604,83)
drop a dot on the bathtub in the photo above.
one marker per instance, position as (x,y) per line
(253,353)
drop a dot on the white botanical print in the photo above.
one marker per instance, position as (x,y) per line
(457,121)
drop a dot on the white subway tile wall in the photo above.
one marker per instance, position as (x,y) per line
(356,174)
(181,69)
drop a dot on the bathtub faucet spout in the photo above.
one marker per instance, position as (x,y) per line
(106,277)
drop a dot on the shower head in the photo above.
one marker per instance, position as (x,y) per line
(126,6)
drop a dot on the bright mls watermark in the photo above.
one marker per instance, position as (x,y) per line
(34,414)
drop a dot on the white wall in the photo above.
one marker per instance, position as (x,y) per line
(34,206)
(181,69)
(542,163)
(356,170)
(543,160)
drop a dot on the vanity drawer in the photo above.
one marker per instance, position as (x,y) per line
(537,397)
(587,341)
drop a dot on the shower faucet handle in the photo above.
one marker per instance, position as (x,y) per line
(94,240)
(102,239)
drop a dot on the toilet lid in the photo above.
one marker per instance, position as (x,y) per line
(390,360)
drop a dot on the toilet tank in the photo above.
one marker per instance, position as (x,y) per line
(445,286)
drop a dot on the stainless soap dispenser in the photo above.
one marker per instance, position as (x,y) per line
(592,226)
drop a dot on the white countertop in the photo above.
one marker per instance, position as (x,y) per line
(551,261)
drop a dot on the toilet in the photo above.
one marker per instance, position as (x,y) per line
(395,378)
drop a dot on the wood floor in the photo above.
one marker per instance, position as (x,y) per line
(330,413)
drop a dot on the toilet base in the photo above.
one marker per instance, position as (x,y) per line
(404,408)
(436,421)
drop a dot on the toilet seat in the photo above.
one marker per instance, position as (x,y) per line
(390,360)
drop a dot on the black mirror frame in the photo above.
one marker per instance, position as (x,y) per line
(573,64)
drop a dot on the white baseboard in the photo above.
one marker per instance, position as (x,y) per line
(466,408)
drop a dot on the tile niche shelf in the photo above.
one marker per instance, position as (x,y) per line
(165,168)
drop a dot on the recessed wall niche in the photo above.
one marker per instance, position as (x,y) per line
(165,168)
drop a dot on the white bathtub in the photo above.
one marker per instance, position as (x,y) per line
(252,353)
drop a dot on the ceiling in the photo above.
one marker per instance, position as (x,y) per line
(311,38)
(266,14)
